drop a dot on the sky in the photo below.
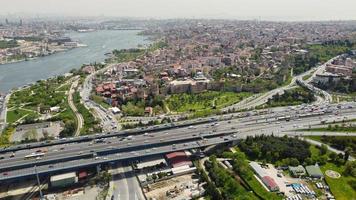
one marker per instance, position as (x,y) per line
(277,10)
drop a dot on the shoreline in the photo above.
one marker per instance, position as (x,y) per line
(37,57)
(103,58)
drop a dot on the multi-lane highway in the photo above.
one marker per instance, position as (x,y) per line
(89,152)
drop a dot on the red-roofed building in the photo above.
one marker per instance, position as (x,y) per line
(270,183)
(178,159)
(82,175)
(99,90)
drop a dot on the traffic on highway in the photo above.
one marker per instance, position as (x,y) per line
(104,148)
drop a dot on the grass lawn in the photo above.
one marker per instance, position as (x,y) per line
(100,100)
(14,115)
(203,101)
(339,187)
(314,137)
(306,77)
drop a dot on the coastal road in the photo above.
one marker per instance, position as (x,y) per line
(3,112)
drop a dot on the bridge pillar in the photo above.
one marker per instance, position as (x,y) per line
(98,168)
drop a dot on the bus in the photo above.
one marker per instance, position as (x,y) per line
(35,155)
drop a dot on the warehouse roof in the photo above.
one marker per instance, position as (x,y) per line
(176,154)
(270,183)
(297,171)
(63,176)
(258,169)
(149,162)
(314,171)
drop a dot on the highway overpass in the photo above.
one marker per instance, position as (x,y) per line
(94,150)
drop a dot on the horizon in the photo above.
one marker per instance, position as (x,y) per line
(272,10)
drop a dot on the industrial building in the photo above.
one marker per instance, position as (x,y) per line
(314,171)
(270,183)
(63,180)
(177,159)
(266,179)
(297,171)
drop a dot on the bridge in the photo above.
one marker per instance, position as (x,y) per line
(88,151)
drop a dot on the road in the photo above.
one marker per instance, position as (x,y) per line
(107,119)
(329,147)
(229,128)
(260,99)
(3,112)
(126,185)
(80,120)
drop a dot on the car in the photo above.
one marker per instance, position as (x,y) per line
(50,166)
(2,157)
(5,173)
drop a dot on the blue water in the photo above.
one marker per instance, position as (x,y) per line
(100,42)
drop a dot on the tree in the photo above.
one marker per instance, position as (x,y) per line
(309,161)
(350,168)
(333,156)
(154,177)
(294,162)
(348,150)
(323,149)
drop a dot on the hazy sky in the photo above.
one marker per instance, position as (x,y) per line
(237,9)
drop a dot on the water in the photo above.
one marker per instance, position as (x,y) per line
(100,42)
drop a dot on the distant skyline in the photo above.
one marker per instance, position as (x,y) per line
(276,10)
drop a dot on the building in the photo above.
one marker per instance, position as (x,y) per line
(314,171)
(151,162)
(55,109)
(188,86)
(261,173)
(63,180)
(270,183)
(297,171)
(326,78)
(258,169)
(178,159)
(339,69)
(115,110)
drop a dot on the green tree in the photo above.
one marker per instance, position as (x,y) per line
(294,162)
(323,149)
